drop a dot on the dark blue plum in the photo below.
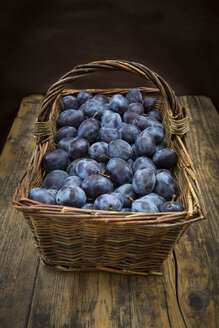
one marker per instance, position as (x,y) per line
(96,185)
(111,120)
(141,122)
(144,122)
(65,132)
(164,170)
(88,206)
(129,133)
(83,96)
(72,181)
(65,143)
(130,116)
(87,167)
(119,171)
(156,114)
(127,192)
(145,145)
(99,152)
(71,169)
(55,160)
(108,202)
(154,198)
(144,206)
(137,108)
(107,111)
(53,192)
(71,117)
(89,130)
(71,196)
(156,132)
(119,104)
(69,102)
(78,148)
(55,179)
(166,186)
(42,195)
(165,158)
(143,162)
(102,99)
(118,195)
(144,181)
(134,96)
(171,207)
(119,149)
(151,121)
(93,108)
(108,134)
(149,104)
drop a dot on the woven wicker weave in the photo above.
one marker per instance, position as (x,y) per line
(74,239)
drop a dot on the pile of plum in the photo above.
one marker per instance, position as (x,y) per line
(111,154)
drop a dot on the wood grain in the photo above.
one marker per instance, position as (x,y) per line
(34,296)
(18,259)
(87,299)
(196,254)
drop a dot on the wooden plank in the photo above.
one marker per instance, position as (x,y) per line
(89,299)
(18,260)
(153,300)
(86,299)
(196,254)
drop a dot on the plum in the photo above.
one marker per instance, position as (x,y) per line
(55,179)
(71,196)
(134,96)
(55,160)
(42,195)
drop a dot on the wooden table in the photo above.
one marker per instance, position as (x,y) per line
(185,296)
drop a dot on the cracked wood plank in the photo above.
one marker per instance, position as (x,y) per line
(196,253)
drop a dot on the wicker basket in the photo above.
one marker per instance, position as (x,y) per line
(74,239)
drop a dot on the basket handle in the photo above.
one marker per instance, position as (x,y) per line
(102,65)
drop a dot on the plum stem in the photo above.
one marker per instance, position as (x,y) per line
(129,197)
(105,156)
(174,196)
(94,115)
(104,175)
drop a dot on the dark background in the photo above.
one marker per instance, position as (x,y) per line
(42,40)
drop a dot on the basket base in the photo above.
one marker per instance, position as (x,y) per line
(98,268)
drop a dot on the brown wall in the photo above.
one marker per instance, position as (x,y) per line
(41,40)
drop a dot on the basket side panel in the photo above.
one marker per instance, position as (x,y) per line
(83,244)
